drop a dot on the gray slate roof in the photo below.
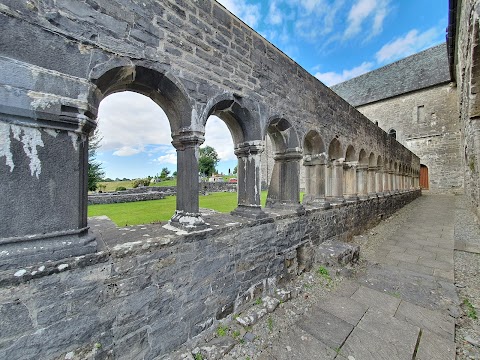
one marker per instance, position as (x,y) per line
(418,71)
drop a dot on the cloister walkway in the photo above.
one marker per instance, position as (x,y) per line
(400,306)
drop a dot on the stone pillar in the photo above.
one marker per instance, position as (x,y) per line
(328,180)
(393,181)
(362,187)
(336,182)
(44,177)
(350,181)
(284,188)
(371,183)
(379,175)
(249,180)
(315,182)
(386,182)
(187,215)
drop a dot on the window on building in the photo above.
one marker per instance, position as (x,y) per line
(392,133)
(420,114)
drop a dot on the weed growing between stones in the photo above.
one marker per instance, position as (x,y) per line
(259,301)
(471,312)
(198,356)
(222,330)
(323,272)
(270,324)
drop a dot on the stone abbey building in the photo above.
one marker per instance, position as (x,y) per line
(64,288)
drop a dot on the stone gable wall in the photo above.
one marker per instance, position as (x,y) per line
(435,139)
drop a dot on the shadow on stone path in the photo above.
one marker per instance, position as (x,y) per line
(400,307)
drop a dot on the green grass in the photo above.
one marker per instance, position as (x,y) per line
(154,211)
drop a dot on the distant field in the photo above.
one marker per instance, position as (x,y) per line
(112,185)
(146,212)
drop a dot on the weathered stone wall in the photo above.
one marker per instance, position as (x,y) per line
(59,59)
(144,299)
(426,122)
(468,81)
(114,198)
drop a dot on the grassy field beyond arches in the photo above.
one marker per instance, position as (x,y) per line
(154,211)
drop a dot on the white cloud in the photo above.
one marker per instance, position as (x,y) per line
(275,16)
(128,121)
(408,44)
(128,151)
(169,158)
(218,136)
(331,78)
(363,10)
(250,13)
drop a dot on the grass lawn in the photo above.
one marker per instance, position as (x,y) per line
(146,212)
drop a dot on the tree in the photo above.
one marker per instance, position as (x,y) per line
(174,174)
(164,174)
(235,169)
(208,160)
(95,171)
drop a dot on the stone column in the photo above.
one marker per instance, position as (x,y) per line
(284,188)
(393,181)
(350,181)
(315,169)
(371,183)
(44,177)
(362,187)
(187,215)
(379,175)
(336,178)
(328,180)
(386,182)
(249,180)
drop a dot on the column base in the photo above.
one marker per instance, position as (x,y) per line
(250,212)
(188,221)
(351,198)
(320,202)
(285,206)
(373,195)
(18,252)
(335,201)
(363,197)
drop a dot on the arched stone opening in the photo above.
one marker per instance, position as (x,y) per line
(350,175)
(334,189)
(165,91)
(248,146)
(284,187)
(362,175)
(315,163)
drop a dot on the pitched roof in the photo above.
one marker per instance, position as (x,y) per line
(418,71)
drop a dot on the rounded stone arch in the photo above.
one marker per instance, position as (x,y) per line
(313,143)
(163,88)
(283,134)
(372,159)
(335,151)
(362,157)
(350,154)
(284,186)
(238,115)
(380,162)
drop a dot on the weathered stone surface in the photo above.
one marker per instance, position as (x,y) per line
(334,253)
(382,301)
(326,327)
(216,348)
(344,308)
(432,346)
(298,344)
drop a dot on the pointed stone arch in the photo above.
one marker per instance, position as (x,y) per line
(314,162)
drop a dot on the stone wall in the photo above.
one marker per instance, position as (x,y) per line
(120,197)
(145,298)
(426,122)
(468,80)
(59,59)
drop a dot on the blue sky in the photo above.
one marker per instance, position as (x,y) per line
(334,40)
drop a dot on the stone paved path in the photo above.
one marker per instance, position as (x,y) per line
(399,308)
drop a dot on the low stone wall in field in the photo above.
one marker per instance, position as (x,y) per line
(123,197)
